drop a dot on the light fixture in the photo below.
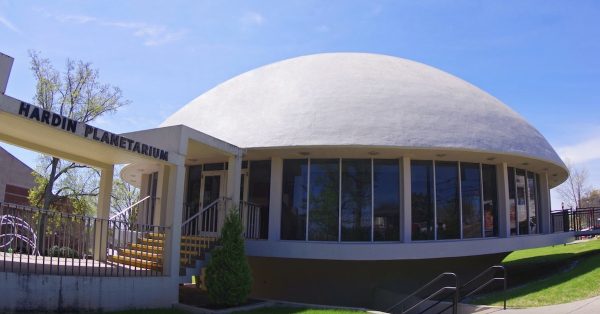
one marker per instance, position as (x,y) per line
(441,155)
(491,158)
(304,153)
(373,153)
(554,175)
(525,164)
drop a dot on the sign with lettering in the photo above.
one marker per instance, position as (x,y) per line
(58,121)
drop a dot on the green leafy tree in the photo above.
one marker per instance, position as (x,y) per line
(228,276)
(77,94)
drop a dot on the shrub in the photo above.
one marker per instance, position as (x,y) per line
(228,277)
(64,251)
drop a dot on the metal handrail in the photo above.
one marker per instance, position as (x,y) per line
(128,208)
(207,207)
(429,284)
(487,283)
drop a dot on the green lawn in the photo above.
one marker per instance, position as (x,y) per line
(267,310)
(574,274)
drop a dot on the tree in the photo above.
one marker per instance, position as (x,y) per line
(591,199)
(228,277)
(123,196)
(575,188)
(77,94)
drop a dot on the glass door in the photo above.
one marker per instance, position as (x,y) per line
(212,187)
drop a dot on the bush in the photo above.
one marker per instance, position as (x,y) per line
(64,251)
(228,277)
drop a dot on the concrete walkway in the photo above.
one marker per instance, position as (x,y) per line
(591,305)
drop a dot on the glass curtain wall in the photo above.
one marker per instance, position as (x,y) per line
(348,200)
(523,193)
(465,208)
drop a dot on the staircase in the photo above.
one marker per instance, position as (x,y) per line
(146,252)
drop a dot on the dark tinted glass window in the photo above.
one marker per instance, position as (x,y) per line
(259,189)
(323,217)
(532,201)
(386,223)
(490,200)
(356,200)
(472,215)
(193,190)
(422,200)
(512,192)
(447,206)
(293,199)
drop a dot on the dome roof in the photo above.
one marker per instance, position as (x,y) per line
(361,99)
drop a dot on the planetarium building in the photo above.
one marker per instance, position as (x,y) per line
(358,171)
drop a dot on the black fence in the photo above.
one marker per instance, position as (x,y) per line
(582,221)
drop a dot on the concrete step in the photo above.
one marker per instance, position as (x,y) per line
(146,247)
(131,261)
(140,254)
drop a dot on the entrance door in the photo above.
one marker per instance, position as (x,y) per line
(212,187)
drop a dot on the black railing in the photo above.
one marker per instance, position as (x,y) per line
(582,221)
(442,288)
(74,244)
(485,279)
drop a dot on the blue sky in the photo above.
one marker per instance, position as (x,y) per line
(542,58)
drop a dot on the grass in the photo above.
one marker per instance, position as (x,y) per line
(570,273)
(266,310)
(298,310)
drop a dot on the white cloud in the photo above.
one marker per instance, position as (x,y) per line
(585,151)
(151,34)
(252,18)
(9,25)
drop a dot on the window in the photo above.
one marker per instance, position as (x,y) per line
(386,200)
(512,192)
(422,200)
(323,217)
(259,189)
(356,200)
(447,206)
(531,201)
(490,200)
(293,200)
(521,201)
(472,216)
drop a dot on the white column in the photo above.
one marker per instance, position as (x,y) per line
(406,208)
(103,213)
(275,199)
(234,175)
(545,207)
(160,207)
(503,201)
(174,206)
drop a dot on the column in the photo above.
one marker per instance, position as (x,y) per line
(406,208)
(234,176)
(503,200)
(275,199)
(174,204)
(162,188)
(545,222)
(103,213)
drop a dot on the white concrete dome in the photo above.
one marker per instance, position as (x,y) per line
(358,99)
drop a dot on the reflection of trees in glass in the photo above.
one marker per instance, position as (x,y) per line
(356,199)
(521,202)
(446,184)
(490,200)
(324,200)
(531,197)
(471,200)
(293,200)
(422,200)
(386,200)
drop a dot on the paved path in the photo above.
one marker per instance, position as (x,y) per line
(587,306)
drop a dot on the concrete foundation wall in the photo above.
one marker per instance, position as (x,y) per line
(371,284)
(48,293)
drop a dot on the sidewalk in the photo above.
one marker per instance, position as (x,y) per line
(591,305)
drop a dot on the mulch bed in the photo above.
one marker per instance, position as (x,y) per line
(190,295)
